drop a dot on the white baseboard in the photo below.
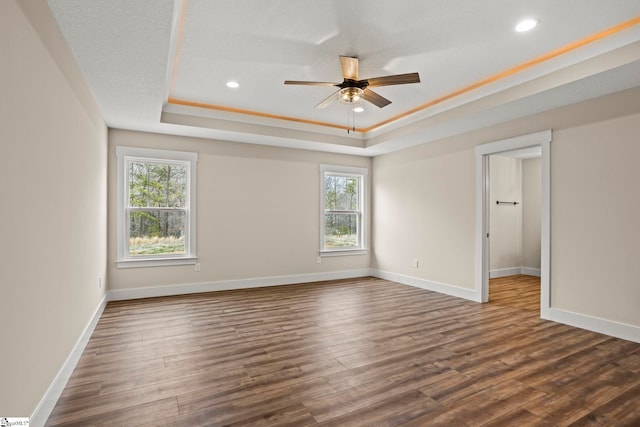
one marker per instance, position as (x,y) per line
(503,272)
(530,271)
(595,324)
(226,285)
(443,288)
(51,396)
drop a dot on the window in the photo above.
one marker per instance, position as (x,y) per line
(342,216)
(156,207)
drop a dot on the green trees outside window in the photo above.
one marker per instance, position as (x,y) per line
(342,211)
(157,205)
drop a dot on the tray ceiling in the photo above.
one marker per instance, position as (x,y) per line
(163,65)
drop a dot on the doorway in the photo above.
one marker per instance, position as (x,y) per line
(514,227)
(541,141)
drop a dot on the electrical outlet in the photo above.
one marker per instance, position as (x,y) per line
(197,266)
(415,263)
(318,260)
(99,282)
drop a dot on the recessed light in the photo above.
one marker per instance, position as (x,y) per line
(526,25)
(358,109)
(233,84)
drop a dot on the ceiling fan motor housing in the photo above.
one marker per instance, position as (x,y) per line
(360,84)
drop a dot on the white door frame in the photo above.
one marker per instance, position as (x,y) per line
(543,140)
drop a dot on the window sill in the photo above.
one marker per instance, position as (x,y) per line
(343,252)
(155,262)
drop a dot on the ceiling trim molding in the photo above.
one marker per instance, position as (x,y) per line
(175,61)
(224,108)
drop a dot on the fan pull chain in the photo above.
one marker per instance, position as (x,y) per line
(351,121)
(348,122)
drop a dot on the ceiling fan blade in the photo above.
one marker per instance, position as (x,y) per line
(349,66)
(375,99)
(397,79)
(328,100)
(295,82)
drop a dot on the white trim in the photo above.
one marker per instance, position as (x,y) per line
(123,260)
(542,139)
(152,153)
(515,143)
(504,272)
(225,285)
(528,271)
(482,226)
(596,324)
(443,288)
(51,396)
(156,262)
(347,170)
(545,230)
(344,252)
(363,227)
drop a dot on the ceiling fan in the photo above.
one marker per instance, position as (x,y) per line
(354,91)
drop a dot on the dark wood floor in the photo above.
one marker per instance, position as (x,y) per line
(362,352)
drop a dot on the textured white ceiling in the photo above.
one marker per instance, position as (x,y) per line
(136,54)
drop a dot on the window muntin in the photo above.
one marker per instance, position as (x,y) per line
(156,214)
(342,216)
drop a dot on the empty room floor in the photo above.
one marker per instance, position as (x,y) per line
(361,352)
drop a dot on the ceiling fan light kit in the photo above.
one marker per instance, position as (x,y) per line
(351,96)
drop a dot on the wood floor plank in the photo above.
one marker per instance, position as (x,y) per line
(630,362)
(622,411)
(387,413)
(357,352)
(518,417)
(293,416)
(251,400)
(288,383)
(368,394)
(154,411)
(183,378)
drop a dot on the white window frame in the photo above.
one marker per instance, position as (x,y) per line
(362,174)
(127,154)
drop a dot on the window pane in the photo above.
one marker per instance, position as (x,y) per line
(157,185)
(341,230)
(156,232)
(342,193)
